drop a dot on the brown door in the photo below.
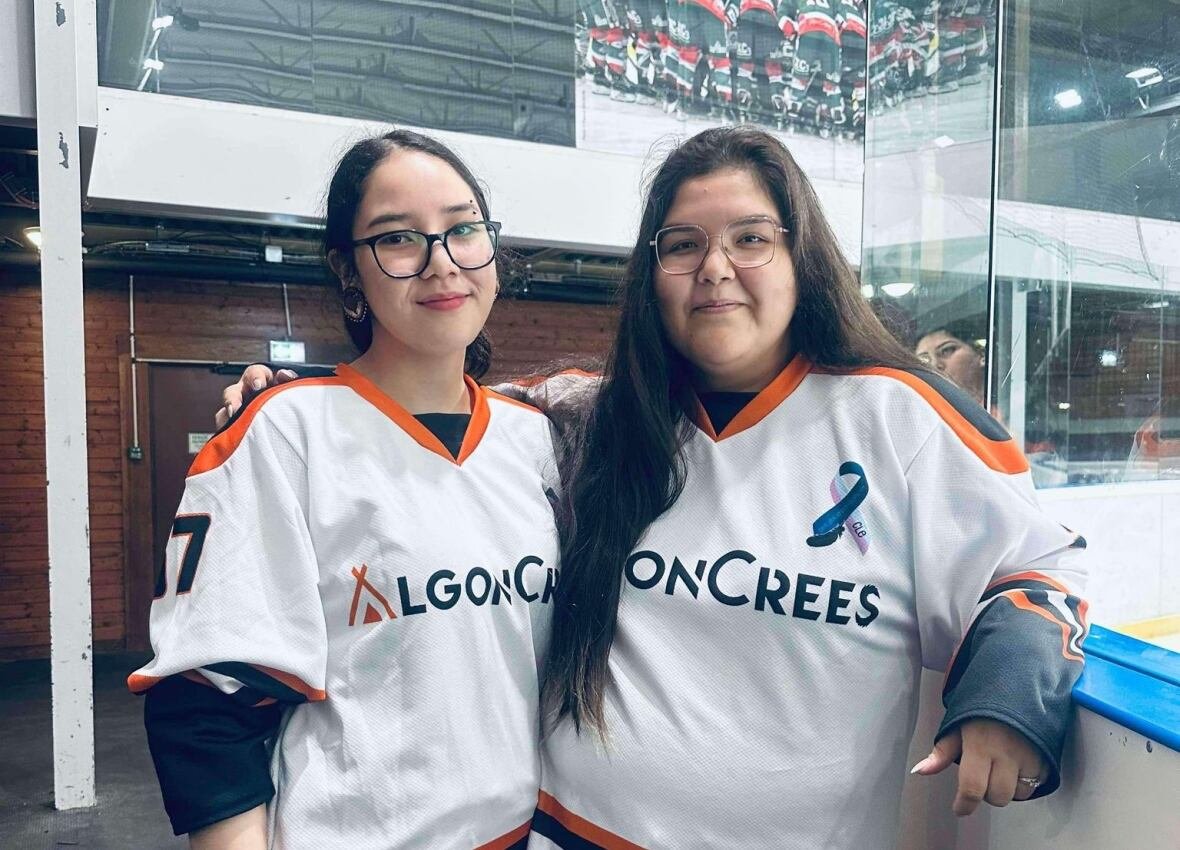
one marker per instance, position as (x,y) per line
(183,402)
(176,407)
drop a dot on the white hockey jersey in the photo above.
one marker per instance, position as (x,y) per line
(330,552)
(840,533)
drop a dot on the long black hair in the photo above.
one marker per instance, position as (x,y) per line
(625,466)
(345,193)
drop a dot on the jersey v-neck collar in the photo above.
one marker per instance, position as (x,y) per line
(759,407)
(405,420)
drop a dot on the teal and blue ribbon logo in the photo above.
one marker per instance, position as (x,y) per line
(845,514)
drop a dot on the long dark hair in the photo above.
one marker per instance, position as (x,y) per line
(628,455)
(345,193)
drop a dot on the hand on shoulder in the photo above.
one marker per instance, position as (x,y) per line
(254,380)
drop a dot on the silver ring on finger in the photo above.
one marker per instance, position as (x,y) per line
(1032,783)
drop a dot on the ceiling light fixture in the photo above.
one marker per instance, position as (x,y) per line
(897,290)
(151,64)
(1146,77)
(162,22)
(33,235)
(1068,99)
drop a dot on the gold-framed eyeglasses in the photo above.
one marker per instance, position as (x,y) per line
(748,243)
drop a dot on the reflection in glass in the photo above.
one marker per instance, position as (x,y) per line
(1088,238)
(651,70)
(928,179)
(492,68)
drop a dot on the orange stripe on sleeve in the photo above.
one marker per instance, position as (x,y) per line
(508,839)
(293,682)
(1029,575)
(1021,601)
(219,449)
(581,827)
(1002,456)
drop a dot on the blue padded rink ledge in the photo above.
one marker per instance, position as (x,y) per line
(1134,684)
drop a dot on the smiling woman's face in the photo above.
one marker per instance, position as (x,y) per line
(731,324)
(441,310)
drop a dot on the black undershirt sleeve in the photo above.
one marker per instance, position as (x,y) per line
(211,752)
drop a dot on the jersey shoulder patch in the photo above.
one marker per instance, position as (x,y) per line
(974,426)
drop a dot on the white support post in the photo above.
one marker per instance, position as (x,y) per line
(55,24)
(1018,363)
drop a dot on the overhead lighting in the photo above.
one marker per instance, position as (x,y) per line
(981,343)
(1108,358)
(1144,77)
(867,290)
(897,290)
(162,22)
(151,64)
(1063,405)
(943,142)
(33,234)
(1155,305)
(1068,99)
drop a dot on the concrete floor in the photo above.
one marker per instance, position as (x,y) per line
(129,814)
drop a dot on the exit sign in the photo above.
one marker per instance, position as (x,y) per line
(286,351)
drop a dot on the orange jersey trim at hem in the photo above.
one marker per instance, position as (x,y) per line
(1002,456)
(581,827)
(138,683)
(771,396)
(509,838)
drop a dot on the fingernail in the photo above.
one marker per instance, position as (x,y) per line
(258,384)
(917,767)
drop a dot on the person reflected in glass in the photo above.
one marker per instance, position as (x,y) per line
(956,351)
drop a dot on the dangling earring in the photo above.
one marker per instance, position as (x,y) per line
(356,306)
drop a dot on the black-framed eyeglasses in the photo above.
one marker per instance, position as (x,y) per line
(748,242)
(406,253)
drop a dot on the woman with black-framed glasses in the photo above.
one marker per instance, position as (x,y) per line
(404,254)
(773,517)
(367,558)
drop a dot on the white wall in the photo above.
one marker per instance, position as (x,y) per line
(18,89)
(1117,794)
(1131,532)
(18,85)
(1123,793)
(187,156)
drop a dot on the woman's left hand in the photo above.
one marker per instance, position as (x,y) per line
(992,756)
